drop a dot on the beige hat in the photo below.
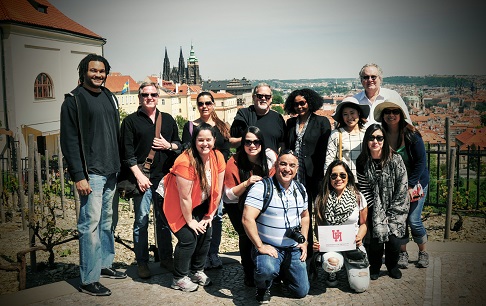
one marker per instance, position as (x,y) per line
(365,109)
(393,101)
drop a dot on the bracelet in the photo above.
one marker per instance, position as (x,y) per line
(245,184)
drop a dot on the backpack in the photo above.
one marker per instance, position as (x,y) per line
(267,193)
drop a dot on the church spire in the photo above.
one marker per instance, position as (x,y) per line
(166,67)
(181,69)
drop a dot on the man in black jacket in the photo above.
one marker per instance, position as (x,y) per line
(137,140)
(90,123)
(262,116)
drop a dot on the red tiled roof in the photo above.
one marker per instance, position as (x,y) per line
(116,81)
(24,13)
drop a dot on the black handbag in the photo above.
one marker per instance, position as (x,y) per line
(127,183)
(357,258)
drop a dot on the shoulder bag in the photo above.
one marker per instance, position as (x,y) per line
(127,184)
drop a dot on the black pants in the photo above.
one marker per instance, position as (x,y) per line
(391,249)
(244,243)
(191,250)
(375,249)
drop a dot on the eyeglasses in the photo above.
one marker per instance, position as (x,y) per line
(145,95)
(255,142)
(367,77)
(300,103)
(287,151)
(260,96)
(334,176)
(207,103)
(378,138)
(395,111)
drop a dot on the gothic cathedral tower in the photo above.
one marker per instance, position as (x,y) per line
(181,70)
(166,68)
(193,76)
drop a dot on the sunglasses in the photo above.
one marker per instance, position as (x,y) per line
(388,111)
(255,142)
(207,103)
(334,176)
(300,103)
(378,138)
(145,95)
(367,77)
(260,96)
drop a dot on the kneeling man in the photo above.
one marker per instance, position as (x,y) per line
(279,233)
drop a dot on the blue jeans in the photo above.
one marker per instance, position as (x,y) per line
(96,239)
(141,206)
(417,228)
(288,262)
(217,225)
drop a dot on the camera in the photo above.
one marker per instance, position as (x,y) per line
(295,234)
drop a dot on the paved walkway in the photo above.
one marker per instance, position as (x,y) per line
(456,276)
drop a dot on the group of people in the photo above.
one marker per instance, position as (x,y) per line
(285,180)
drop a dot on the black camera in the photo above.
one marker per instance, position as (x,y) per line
(295,234)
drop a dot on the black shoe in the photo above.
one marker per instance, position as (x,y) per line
(95,289)
(331,280)
(374,276)
(395,273)
(112,273)
(263,296)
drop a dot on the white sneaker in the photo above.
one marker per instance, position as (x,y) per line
(201,278)
(185,284)
(403,260)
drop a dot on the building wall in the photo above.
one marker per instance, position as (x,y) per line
(29,52)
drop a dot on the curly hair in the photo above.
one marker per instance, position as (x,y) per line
(83,65)
(314,100)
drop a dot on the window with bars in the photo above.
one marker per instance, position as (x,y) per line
(43,87)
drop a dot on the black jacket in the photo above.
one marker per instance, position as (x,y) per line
(74,131)
(314,143)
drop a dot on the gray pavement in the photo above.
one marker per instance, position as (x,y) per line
(456,276)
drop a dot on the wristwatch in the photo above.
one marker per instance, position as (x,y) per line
(170,146)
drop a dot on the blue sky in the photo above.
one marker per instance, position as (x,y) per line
(288,39)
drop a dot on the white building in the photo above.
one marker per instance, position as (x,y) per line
(40,52)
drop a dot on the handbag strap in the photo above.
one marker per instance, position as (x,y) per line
(150,158)
(340,145)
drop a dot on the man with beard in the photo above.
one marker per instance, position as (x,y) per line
(90,131)
(260,115)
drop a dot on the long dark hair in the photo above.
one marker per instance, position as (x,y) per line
(222,127)
(365,155)
(405,130)
(83,65)
(323,195)
(244,165)
(195,159)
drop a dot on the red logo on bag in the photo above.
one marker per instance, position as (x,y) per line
(337,235)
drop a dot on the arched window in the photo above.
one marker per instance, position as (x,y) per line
(43,87)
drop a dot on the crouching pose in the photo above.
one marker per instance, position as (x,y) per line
(338,203)
(278,228)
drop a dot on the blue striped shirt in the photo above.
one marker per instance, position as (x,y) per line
(282,213)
